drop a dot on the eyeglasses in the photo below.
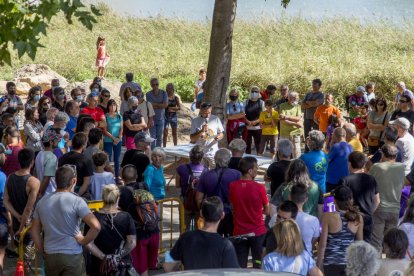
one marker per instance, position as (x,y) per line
(72,167)
(234,107)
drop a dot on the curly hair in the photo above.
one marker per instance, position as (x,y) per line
(362,259)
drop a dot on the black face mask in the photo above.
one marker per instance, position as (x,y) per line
(133,108)
(233,98)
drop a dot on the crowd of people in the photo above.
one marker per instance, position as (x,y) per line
(343,206)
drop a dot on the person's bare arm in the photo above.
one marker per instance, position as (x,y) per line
(199,198)
(170,266)
(315,271)
(94,228)
(177,180)
(376,200)
(35,232)
(85,186)
(136,127)
(322,241)
(160,105)
(360,231)
(266,209)
(44,184)
(34,186)
(320,211)
(236,116)
(9,206)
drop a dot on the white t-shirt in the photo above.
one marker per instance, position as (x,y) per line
(46,165)
(406,146)
(309,228)
(214,123)
(393,267)
(98,181)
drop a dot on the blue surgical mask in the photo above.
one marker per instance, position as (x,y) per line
(60,97)
(254,95)
(8,151)
(36,98)
(79,98)
(95,90)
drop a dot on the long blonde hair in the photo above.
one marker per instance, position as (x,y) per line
(288,238)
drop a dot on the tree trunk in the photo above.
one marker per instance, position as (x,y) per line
(219,60)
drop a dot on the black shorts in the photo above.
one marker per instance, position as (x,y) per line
(4,235)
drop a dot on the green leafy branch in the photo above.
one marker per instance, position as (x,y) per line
(22,22)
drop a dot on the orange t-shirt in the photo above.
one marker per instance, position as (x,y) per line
(323,112)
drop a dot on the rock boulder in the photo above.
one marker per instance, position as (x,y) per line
(38,74)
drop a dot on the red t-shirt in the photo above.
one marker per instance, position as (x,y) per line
(97,113)
(248,198)
(264,95)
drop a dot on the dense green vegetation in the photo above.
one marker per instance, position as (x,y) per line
(343,53)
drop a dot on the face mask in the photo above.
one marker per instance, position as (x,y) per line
(134,108)
(233,98)
(79,98)
(62,132)
(8,151)
(4,109)
(60,97)
(95,90)
(295,103)
(254,95)
(36,98)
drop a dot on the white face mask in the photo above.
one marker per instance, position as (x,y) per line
(254,95)
(295,103)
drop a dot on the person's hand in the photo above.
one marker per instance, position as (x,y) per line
(150,123)
(79,238)
(116,141)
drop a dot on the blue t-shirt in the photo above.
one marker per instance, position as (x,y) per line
(155,180)
(113,126)
(299,265)
(161,98)
(71,125)
(317,163)
(2,208)
(338,162)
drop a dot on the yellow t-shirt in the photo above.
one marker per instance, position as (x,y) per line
(356,145)
(266,119)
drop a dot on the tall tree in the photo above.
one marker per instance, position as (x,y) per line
(23,21)
(219,60)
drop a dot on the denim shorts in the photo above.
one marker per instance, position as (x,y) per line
(171,120)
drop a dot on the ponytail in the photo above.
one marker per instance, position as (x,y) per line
(352,214)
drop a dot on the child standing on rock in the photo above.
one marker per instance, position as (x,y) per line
(102,57)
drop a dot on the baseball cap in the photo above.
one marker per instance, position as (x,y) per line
(2,148)
(143,137)
(51,135)
(342,193)
(360,89)
(401,122)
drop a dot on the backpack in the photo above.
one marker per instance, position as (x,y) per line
(147,210)
(190,202)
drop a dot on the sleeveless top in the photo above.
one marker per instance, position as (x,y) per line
(171,103)
(253,110)
(16,189)
(337,244)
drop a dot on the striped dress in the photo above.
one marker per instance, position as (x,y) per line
(337,244)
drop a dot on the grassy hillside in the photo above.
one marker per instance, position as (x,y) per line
(343,53)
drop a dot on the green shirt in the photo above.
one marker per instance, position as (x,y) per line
(390,180)
(314,198)
(289,110)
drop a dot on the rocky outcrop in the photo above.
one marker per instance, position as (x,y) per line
(38,74)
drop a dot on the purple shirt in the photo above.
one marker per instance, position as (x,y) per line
(184,174)
(208,184)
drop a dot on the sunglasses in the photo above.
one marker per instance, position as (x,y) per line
(72,167)
(234,107)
